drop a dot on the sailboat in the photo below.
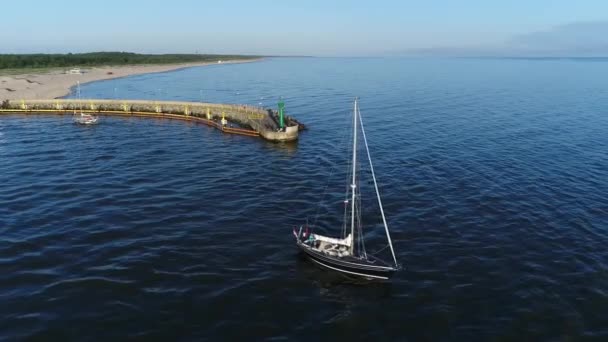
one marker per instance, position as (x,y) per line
(347,254)
(83,119)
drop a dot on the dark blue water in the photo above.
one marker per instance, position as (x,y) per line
(494,176)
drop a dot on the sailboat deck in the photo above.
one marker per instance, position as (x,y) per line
(331,249)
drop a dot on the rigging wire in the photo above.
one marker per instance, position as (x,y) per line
(347,182)
(371,167)
(362,250)
(380,250)
(342,143)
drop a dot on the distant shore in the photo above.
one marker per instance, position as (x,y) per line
(57,83)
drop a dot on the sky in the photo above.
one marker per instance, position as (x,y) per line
(309,27)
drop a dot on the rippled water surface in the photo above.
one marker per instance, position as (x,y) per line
(494,175)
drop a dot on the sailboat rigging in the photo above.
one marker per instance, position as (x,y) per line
(347,254)
(83,119)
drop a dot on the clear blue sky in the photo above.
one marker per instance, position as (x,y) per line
(305,27)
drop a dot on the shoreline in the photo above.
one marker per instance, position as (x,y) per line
(56,83)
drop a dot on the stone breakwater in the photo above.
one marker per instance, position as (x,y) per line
(230,118)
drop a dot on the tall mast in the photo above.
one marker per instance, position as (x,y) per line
(371,167)
(79,100)
(353,185)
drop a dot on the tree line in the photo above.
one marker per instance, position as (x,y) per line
(15,61)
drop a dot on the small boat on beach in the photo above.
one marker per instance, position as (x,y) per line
(347,254)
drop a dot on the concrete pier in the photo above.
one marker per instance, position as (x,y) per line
(234,119)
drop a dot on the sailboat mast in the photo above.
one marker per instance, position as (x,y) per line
(79,99)
(353,185)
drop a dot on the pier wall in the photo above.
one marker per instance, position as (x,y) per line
(250,119)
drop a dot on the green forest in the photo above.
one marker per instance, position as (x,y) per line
(16,61)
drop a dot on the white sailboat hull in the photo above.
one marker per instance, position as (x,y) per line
(85,120)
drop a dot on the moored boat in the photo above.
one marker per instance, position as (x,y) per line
(84,118)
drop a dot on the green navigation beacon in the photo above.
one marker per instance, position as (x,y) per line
(281,115)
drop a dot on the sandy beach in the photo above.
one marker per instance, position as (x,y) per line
(57,83)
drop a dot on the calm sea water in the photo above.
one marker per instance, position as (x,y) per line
(494,175)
